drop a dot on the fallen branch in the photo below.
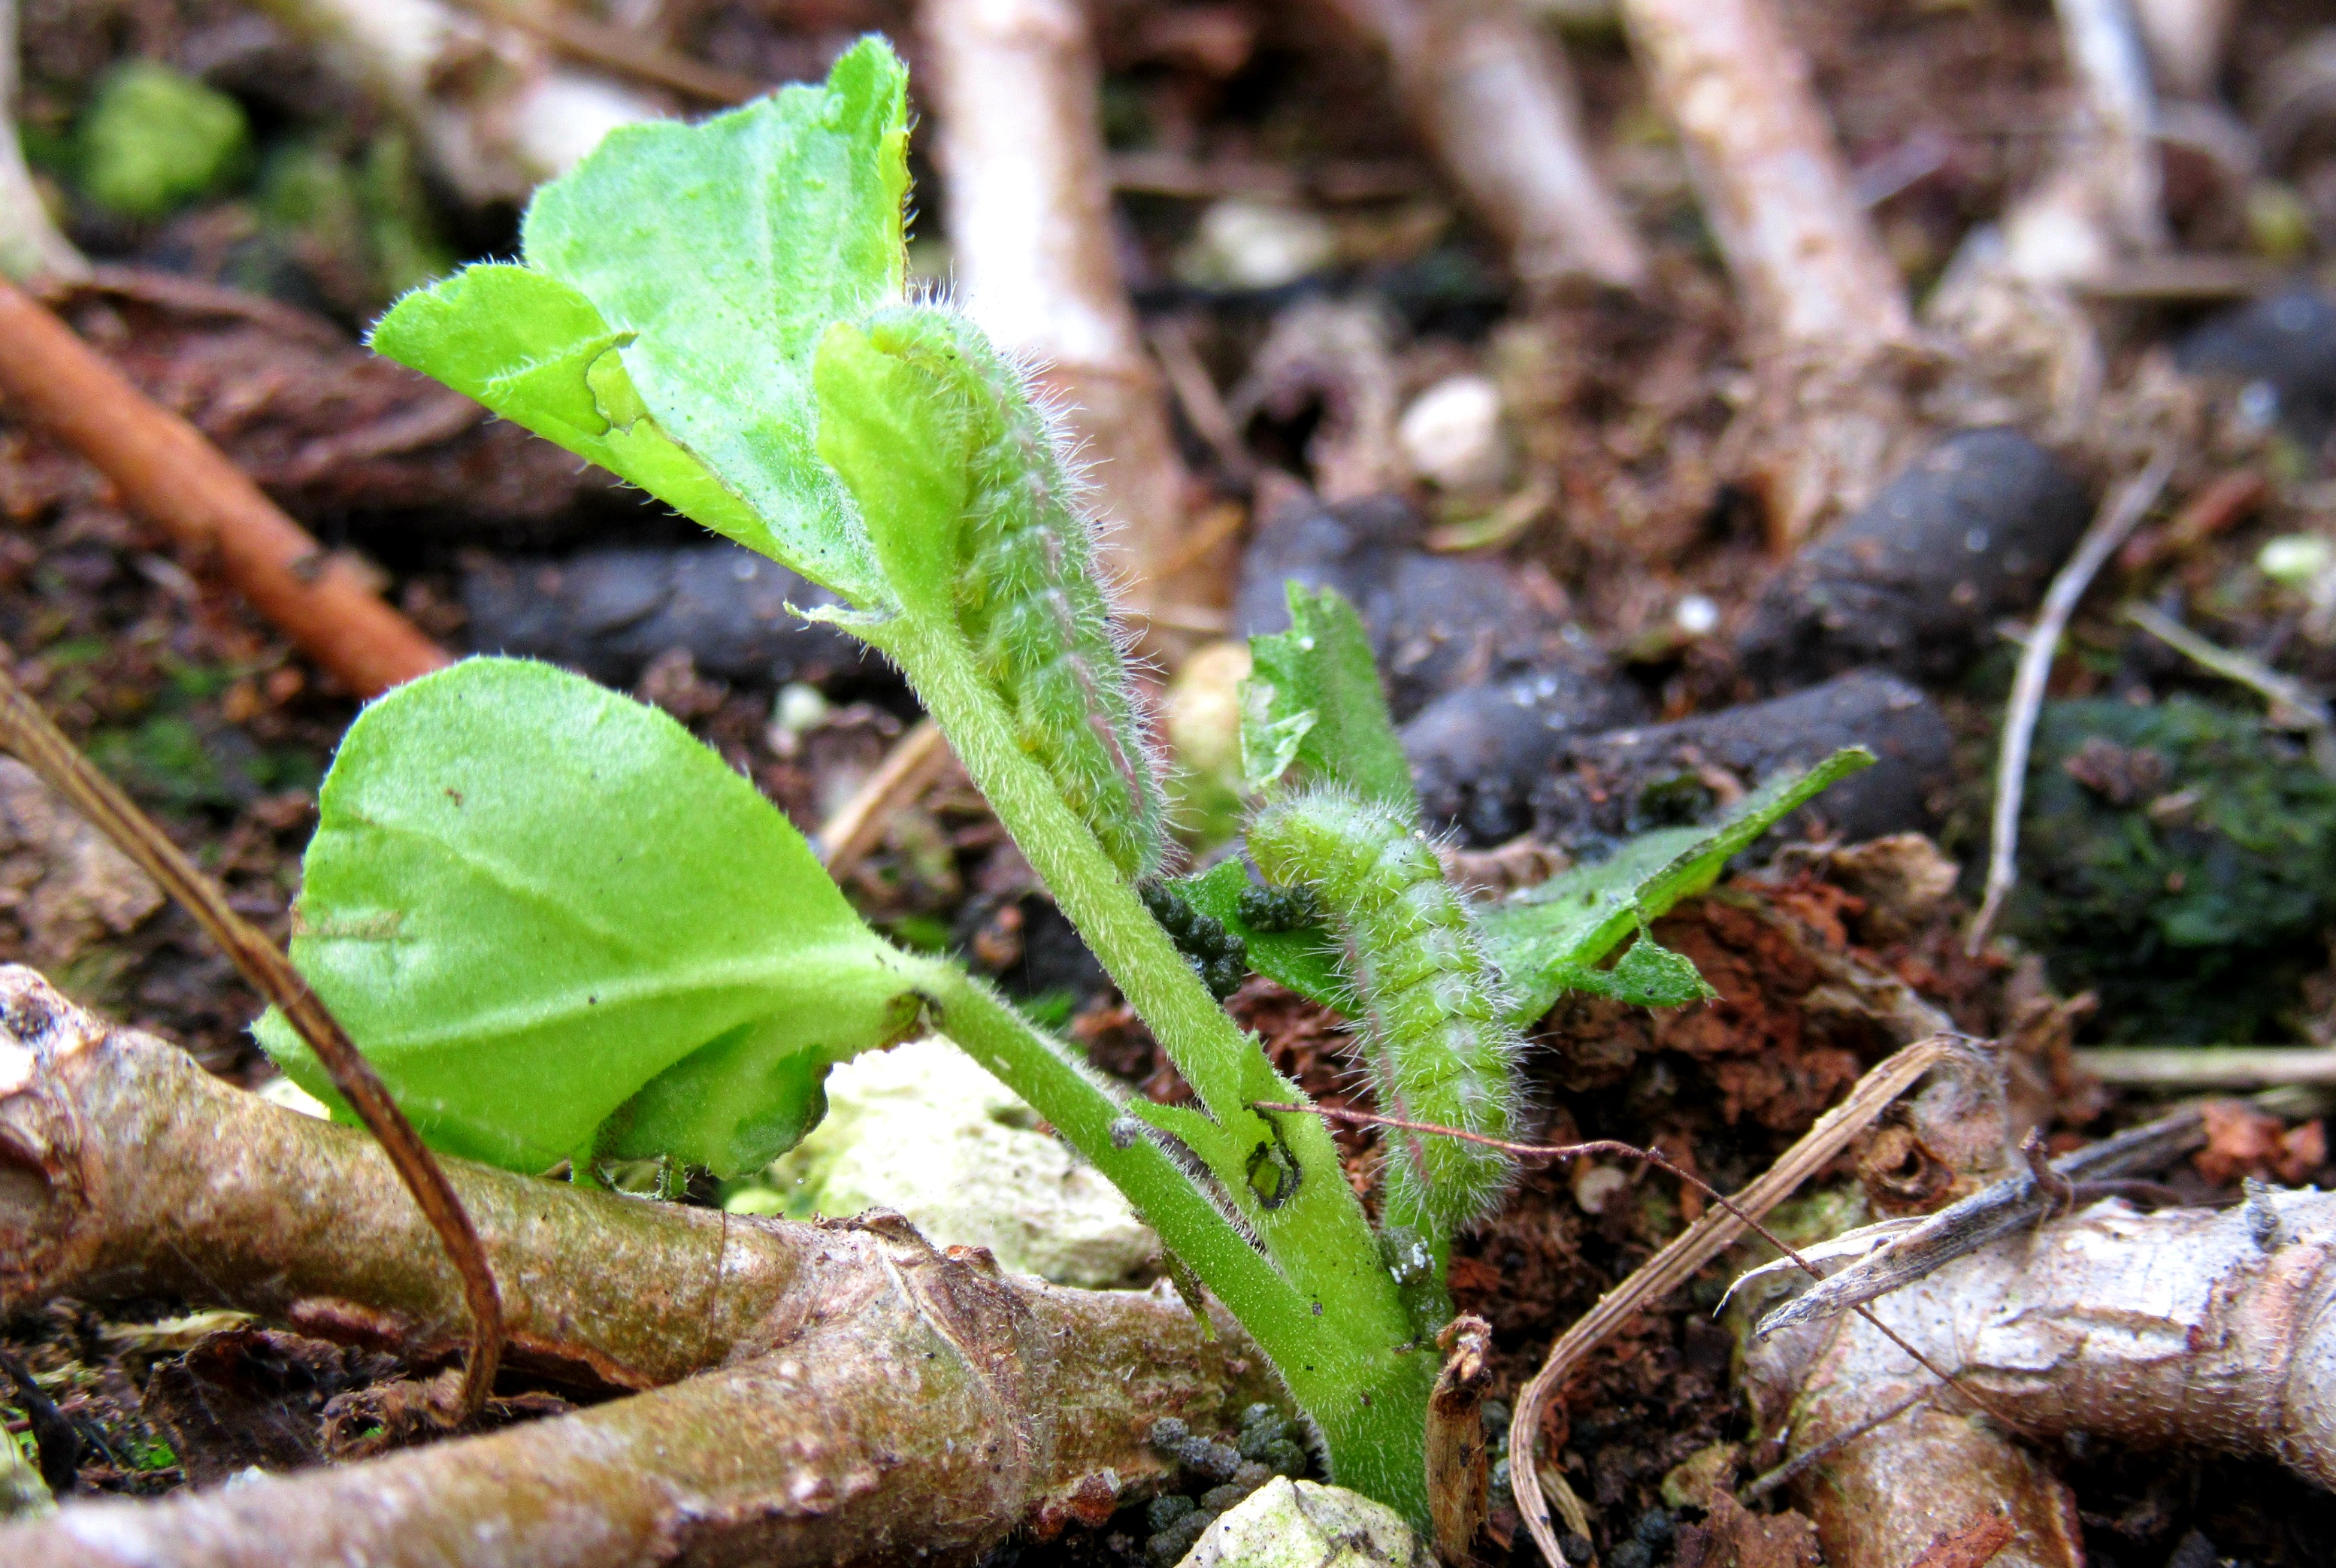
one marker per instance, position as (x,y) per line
(492,110)
(1833,338)
(1493,96)
(877,1398)
(1014,85)
(2183,1328)
(2120,513)
(168,473)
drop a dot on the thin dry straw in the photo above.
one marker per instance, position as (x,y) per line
(2120,513)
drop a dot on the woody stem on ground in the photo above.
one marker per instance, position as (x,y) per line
(1832,335)
(878,1396)
(1349,1357)
(1016,88)
(1493,95)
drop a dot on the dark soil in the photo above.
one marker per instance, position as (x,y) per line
(1618,408)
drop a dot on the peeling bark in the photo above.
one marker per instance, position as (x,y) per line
(2187,1328)
(1015,85)
(1493,96)
(1833,339)
(873,1398)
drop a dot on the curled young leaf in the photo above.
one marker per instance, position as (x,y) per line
(976,516)
(552,920)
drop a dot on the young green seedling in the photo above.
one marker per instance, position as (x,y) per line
(563,929)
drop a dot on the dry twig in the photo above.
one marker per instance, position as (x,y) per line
(906,771)
(617,49)
(2119,514)
(1700,1242)
(172,475)
(2195,1069)
(26,730)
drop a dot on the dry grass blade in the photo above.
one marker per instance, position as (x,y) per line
(27,732)
(906,771)
(1720,1227)
(2119,514)
(1717,1231)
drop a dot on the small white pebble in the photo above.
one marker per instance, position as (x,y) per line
(1451,435)
(2295,560)
(1243,244)
(1695,615)
(1595,1186)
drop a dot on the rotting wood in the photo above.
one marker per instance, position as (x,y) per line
(1459,1472)
(2184,1328)
(1014,85)
(1494,97)
(170,474)
(873,1397)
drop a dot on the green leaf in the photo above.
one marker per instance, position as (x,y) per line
(712,257)
(537,906)
(1313,698)
(1548,940)
(537,352)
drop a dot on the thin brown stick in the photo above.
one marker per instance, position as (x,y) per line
(620,50)
(169,474)
(2121,511)
(27,732)
(906,771)
(1760,1486)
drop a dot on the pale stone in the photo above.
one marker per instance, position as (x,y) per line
(1452,437)
(1244,244)
(1287,1524)
(922,1129)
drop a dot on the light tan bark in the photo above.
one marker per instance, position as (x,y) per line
(2181,1329)
(1832,335)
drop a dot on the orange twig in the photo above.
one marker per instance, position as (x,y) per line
(172,475)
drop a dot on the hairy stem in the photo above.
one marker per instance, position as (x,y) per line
(1359,1375)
